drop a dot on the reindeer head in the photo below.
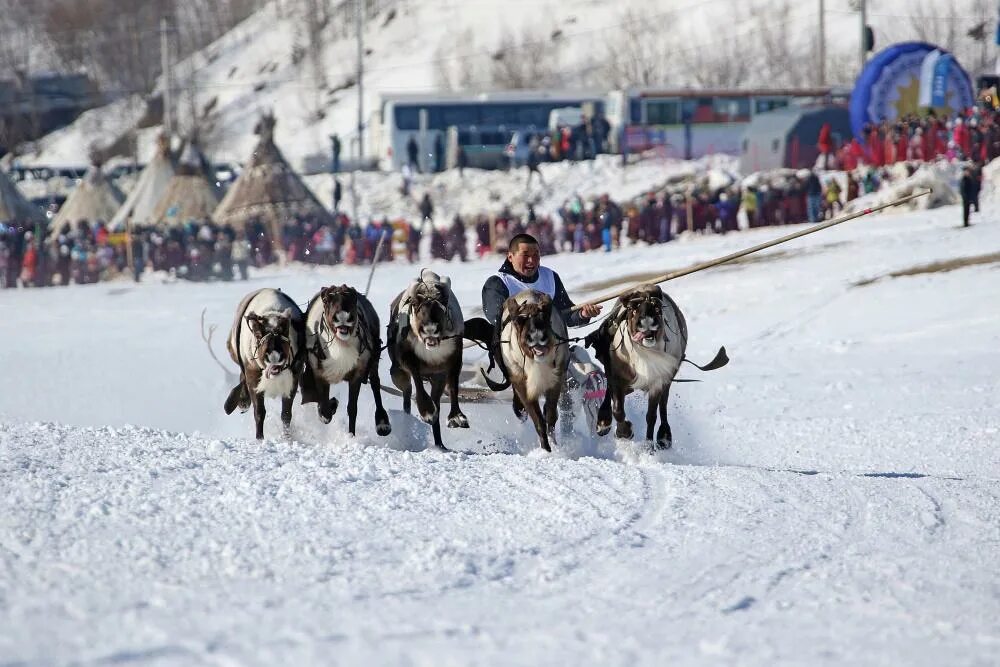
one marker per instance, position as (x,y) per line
(429,314)
(272,349)
(642,311)
(340,311)
(532,323)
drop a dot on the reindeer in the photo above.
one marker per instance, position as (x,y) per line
(267,342)
(534,352)
(425,344)
(342,344)
(641,345)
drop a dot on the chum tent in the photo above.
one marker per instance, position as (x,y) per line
(14,207)
(190,195)
(148,189)
(268,188)
(95,199)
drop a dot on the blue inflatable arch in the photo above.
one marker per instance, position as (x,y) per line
(890,84)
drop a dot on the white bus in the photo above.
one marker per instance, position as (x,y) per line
(495,114)
(690,123)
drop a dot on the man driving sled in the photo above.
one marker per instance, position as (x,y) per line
(522,271)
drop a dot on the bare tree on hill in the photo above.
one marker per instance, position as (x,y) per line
(637,55)
(531,61)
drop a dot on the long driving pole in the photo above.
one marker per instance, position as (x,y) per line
(761,246)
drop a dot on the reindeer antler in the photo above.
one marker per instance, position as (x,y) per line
(207,337)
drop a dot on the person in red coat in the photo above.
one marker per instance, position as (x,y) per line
(825,145)
(875,147)
(902,143)
(961,137)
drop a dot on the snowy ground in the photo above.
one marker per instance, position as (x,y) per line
(833,495)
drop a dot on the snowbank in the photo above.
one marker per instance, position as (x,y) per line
(939,177)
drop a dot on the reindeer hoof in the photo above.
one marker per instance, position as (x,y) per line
(458,421)
(664,443)
(237,398)
(624,430)
(429,417)
(327,411)
(383,428)
(603,427)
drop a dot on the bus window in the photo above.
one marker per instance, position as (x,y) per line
(459,114)
(407,118)
(732,109)
(663,112)
(769,104)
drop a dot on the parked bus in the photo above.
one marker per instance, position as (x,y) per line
(690,123)
(496,114)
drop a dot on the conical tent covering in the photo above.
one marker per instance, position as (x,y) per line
(148,189)
(13,205)
(189,196)
(95,198)
(268,188)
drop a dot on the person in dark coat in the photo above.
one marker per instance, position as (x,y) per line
(457,240)
(426,207)
(522,270)
(335,147)
(438,153)
(463,161)
(969,191)
(411,152)
(977,184)
(814,197)
(338,193)
(532,164)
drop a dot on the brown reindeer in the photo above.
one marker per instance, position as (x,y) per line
(533,354)
(425,344)
(641,345)
(267,341)
(342,345)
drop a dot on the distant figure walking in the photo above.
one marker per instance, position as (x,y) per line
(970,193)
(532,163)
(411,153)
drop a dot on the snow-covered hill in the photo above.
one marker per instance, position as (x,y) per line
(414,45)
(833,495)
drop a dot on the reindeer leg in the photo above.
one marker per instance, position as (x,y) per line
(437,388)
(401,378)
(552,411)
(427,407)
(326,406)
(654,405)
(286,408)
(353,389)
(624,428)
(518,408)
(258,413)
(538,419)
(455,418)
(664,438)
(382,426)
(238,397)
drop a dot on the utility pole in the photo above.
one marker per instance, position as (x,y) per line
(864,35)
(361,53)
(822,43)
(165,67)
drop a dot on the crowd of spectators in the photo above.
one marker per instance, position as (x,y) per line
(86,252)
